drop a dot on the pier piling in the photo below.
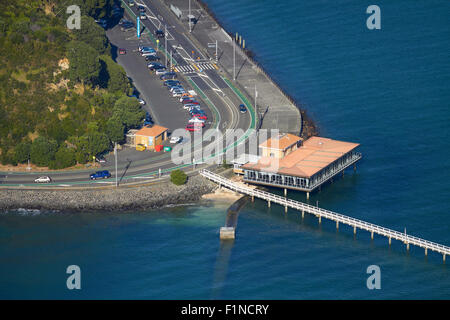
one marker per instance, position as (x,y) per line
(354,230)
(389,241)
(320,219)
(285,192)
(371,235)
(268,203)
(337,225)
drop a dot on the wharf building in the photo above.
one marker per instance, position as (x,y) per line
(287,162)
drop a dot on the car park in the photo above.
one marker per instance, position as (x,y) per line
(242,108)
(43,179)
(176,139)
(100,175)
(122,51)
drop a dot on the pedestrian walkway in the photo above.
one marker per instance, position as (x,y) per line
(198,67)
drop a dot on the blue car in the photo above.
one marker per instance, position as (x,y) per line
(100,175)
(148,119)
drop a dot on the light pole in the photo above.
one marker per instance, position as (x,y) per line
(165,41)
(216,53)
(256,108)
(189,17)
(234,60)
(115,159)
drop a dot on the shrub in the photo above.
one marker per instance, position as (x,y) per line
(178,177)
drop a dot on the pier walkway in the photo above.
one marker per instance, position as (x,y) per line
(323,213)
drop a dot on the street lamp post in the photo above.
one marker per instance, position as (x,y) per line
(115,160)
(165,41)
(234,61)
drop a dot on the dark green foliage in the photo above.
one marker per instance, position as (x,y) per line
(43,151)
(92,34)
(129,111)
(115,130)
(64,157)
(115,78)
(84,62)
(178,177)
(73,120)
(22,151)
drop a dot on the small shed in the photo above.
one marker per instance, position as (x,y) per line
(151,136)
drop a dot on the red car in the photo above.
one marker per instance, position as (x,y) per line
(199,116)
(122,51)
(193,127)
(189,101)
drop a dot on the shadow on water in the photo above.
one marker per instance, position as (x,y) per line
(226,246)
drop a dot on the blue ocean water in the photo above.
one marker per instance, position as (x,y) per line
(386,89)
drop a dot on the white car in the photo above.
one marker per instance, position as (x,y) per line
(43,179)
(141,101)
(161,72)
(196,120)
(176,139)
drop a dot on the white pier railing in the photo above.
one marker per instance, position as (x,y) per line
(323,213)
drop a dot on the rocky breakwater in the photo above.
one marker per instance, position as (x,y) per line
(121,199)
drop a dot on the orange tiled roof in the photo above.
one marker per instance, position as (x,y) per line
(282,142)
(315,154)
(153,131)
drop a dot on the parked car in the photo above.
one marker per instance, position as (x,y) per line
(159,33)
(174,88)
(197,120)
(140,147)
(141,101)
(161,71)
(176,139)
(168,75)
(171,82)
(190,101)
(177,93)
(199,116)
(131,3)
(43,179)
(186,96)
(100,175)
(126,26)
(152,58)
(100,160)
(242,108)
(122,51)
(148,53)
(148,119)
(142,15)
(145,48)
(141,8)
(193,127)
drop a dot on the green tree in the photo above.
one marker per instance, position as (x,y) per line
(43,151)
(178,177)
(115,130)
(64,157)
(92,34)
(22,151)
(129,111)
(115,77)
(84,63)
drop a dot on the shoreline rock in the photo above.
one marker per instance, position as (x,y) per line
(122,199)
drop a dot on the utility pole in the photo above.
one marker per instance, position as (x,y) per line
(115,156)
(256,108)
(216,53)
(165,41)
(170,60)
(189,17)
(234,60)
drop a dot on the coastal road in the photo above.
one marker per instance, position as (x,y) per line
(218,99)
